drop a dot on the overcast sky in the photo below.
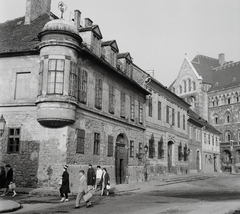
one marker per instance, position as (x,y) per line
(157,33)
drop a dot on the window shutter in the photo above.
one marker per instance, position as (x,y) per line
(110,145)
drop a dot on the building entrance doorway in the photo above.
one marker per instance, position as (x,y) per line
(121,159)
(198,161)
(169,152)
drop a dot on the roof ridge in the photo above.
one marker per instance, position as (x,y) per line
(208,57)
(7,21)
(226,65)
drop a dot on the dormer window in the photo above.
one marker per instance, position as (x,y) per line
(110,51)
(125,64)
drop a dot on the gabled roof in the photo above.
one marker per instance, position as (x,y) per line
(125,55)
(94,28)
(196,119)
(16,37)
(204,66)
(111,43)
(226,76)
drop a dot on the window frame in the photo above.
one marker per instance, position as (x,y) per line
(96,145)
(40,76)
(15,144)
(132,108)
(159,110)
(123,104)
(131,149)
(82,85)
(73,80)
(111,105)
(98,93)
(110,146)
(55,71)
(80,141)
(140,112)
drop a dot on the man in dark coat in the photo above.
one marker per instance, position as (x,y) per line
(65,189)
(2,177)
(91,177)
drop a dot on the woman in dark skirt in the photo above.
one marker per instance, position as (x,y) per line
(105,180)
(2,177)
(9,180)
(65,189)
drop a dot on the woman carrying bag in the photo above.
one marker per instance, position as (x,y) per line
(9,181)
(105,181)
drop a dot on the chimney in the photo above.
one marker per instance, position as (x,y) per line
(77,18)
(36,8)
(221,58)
(88,22)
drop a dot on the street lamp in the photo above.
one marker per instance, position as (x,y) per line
(146,151)
(2,125)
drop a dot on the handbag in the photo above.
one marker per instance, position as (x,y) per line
(87,196)
(60,182)
(108,187)
(12,186)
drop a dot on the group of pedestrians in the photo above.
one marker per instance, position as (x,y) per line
(95,180)
(6,180)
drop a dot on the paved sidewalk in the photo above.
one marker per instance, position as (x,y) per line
(8,206)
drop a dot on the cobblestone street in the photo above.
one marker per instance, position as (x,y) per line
(219,194)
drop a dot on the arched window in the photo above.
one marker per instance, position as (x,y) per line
(215,119)
(194,85)
(226,156)
(228,136)
(227,117)
(189,85)
(185,86)
(237,156)
(180,89)
(192,102)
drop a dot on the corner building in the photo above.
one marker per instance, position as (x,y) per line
(69,98)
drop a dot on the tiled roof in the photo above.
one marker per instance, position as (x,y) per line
(122,55)
(226,76)
(106,43)
(15,36)
(194,116)
(204,66)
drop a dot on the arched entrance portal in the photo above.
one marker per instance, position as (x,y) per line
(170,156)
(121,158)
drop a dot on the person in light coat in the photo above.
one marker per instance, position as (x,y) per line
(82,189)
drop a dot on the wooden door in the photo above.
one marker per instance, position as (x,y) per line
(198,161)
(120,163)
(169,156)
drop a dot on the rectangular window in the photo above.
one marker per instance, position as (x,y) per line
(73,80)
(40,81)
(160,149)
(98,93)
(167,114)
(173,116)
(159,110)
(132,107)
(190,132)
(96,150)
(151,148)
(80,141)
(82,85)
(55,76)
(140,148)
(150,107)
(205,138)
(23,85)
(14,140)
(110,145)
(184,122)
(178,115)
(111,99)
(123,105)
(212,140)
(140,112)
(131,149)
